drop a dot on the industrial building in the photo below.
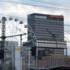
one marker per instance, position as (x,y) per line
(46,48)
(9,55)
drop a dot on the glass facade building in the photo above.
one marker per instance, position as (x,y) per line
(46,33)
(47,27)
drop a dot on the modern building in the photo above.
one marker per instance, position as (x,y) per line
(47,27)
(46,33)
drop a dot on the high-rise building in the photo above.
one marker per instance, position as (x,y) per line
(46,33)
(47,27)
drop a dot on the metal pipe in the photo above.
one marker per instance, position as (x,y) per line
(36,63)
(3,41)
(20,51)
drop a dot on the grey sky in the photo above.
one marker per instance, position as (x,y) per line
(49,7)
(55,2)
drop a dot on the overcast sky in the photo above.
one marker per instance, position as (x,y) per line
(56,7)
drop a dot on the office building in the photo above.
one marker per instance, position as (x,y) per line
(46,33)
(47,27)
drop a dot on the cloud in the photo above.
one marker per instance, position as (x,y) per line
(21,10)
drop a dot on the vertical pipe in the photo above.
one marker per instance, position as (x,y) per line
(36,66)
(66,52)
(3,41)
(29,58)
(20,51)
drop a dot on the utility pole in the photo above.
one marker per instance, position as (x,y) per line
(3,42)
(20,52)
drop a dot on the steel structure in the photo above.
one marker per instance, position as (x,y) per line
(3,37)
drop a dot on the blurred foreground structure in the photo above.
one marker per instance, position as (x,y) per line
(9,55)
(46,48)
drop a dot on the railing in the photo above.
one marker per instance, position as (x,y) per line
(51,44)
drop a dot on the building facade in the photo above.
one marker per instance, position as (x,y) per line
(47,27)
(46,33)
